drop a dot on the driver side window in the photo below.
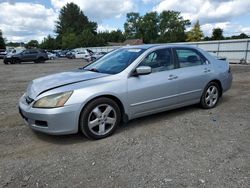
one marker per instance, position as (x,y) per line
(159,60)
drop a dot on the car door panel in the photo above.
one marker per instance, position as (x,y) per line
(192,79)
(152,92)
(29,55)
(25,56)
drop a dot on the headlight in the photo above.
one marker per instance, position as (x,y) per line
(53,101)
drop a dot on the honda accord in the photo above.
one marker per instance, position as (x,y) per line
(128,83)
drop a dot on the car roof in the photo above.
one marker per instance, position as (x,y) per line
(148,46)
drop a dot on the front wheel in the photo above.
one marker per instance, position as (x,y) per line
(6,62)
(210,96)
(100,118)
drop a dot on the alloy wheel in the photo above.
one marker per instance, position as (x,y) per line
(102,119)
(211,96)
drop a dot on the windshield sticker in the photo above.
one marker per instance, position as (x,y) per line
(134,50)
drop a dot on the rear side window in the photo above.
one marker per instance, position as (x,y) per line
(189,58)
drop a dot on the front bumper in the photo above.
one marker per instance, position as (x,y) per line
(55,121)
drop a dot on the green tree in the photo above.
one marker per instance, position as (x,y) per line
(70,25)
(49,43)
(16,44)
(86,39)
(105,35)
(132,25)
(172,27)
(113,36)
(116,36)
(196,33)
(2,42)
(217,34)
(206,38)
(149,27)
(32,44)
(69,40)
(240,36)
(72,20)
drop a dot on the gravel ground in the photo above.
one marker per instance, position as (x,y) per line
(187,147)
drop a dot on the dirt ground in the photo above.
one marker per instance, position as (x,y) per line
(187,147)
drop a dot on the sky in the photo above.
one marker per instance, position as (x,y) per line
(24,20)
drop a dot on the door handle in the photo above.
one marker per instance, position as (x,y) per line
(172,77)
(207,70)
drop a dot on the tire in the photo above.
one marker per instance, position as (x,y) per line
(210,96)
(6,62)
(100,118)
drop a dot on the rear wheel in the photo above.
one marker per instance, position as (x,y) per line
(210,96)
(100,118)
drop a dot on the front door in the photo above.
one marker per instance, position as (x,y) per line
(157,90)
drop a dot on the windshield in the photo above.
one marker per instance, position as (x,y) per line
(116,61)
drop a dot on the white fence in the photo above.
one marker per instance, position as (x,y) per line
(236,51)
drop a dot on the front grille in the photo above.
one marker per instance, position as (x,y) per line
(28,100)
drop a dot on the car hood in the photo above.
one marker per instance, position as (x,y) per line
(46,83)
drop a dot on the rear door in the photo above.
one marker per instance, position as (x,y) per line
(194,73)
(33,55)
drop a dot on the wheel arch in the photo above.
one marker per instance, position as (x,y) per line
(219,84)
(124,116)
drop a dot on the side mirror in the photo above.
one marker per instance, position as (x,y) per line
(142,70)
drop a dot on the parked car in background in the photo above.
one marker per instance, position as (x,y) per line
(70,54)
(13,51)
(127,83)
(51,56)
(3,53)
(62,54)
(36,55)
(83,54)
(98,55)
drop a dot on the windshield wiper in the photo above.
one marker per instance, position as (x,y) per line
(92,70)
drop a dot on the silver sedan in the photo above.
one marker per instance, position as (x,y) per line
(127,83)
